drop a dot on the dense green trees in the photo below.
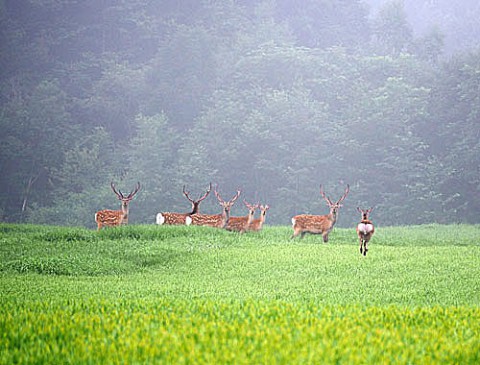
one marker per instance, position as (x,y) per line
(271,97)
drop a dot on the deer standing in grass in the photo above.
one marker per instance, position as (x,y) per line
(257,224)
(318,224)
(241,224)
(179,218)
(109,218)
(365,230)
(214,220)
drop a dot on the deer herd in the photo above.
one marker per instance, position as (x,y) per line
(302,224)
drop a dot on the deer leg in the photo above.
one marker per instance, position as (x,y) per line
(325,238)
(361,246)
(295,234)
(365,248)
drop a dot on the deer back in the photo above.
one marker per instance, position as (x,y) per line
(313,223)
(214,220)
(171,218)
(210,220)
(365,229)
(241,224)
(109,218)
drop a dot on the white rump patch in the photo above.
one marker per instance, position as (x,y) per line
(365,228)
(160,218)
(188,220)
(293,221)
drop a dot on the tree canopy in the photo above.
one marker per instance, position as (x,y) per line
(272,97)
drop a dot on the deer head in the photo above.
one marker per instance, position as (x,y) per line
(365,213)
(227,205)
(125,199)
(334,206)
(196,203)
(251,208)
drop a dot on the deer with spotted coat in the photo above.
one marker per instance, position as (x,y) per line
(214,220)
(318,224)
(365,230)
(241,224)
(257,224)
(111,218)
(179,218)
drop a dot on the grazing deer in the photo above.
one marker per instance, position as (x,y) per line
(110,218)
(241,224)
(365,230)
(318,224)
(214,220)
(179,218)
(257,224)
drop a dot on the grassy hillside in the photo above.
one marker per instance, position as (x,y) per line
(194,294)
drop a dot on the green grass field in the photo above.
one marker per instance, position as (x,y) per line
(150,294)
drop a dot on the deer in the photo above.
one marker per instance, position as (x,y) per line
(111,218)
(179,218)
(257,224)
(318,224)
(241,224)
(365,230)
(214,220)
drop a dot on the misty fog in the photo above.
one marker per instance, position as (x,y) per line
(271,97)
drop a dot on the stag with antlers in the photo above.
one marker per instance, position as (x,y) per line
(365,230)
(318,224)
(241,224)
(179,218)
(214,220)
(111,218)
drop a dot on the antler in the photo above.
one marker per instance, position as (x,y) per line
(347,190)
(231,200)
(118,193)
(206,193)
(186,194)
(236,196)
(365,211)
(132,194)
(218,195)
(327,199)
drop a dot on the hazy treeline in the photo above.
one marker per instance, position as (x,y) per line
(273,97)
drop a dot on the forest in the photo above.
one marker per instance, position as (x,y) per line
(273,97)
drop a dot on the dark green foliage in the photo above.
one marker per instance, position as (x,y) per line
(273,97)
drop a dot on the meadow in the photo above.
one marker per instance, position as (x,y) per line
(198,295)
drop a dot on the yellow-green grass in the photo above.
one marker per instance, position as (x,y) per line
(154,294)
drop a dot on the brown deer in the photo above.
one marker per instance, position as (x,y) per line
(214,220)
(318,224)
(257,224)
(365,230)
(179,218)
(241,224)
(109,218)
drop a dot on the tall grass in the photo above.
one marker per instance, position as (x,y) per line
(200,295)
